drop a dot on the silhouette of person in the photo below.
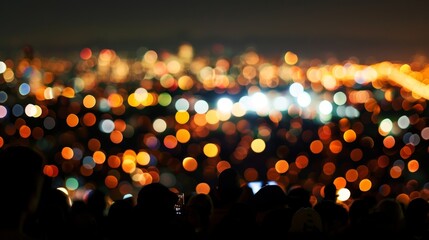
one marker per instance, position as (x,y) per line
(272,213)
(54,214)
(232,214)
(298,197)
(96,203)
(306,223)
(417,219)
(359,215)
(119,218)
(21,182)
(155,213)
(199,209)
(330,192)
(387,219)
(334,215)
(82,221)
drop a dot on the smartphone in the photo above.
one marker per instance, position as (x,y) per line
(180,204)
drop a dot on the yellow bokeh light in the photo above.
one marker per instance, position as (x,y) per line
(128,166)
(133,101)
(202,188)
(340,182)
(25,131)
(413,165)
(385,190)
(316,146)
(403,199)
(335,146)
(67,153)
(99,157)
(212,116)
(174,66)
(89,119)
(238,110)
(150,100)
(129,154)
(211,150)
(115,100)
(329,168)
(389,142)
(222,165)
(200,119)
(143,158)
(282,166)
(113,161)
(116,137)
(273,175)
(182,117)
(291,58)
(183,135)
(89,101)
(94,144)
(301,161)
(356,154)
(68,92)
(190,164)
(258,145)
(72,120)
(150,57)
(185,82)
(352,175)
(395,172)
(349,136)
(111,181)
(250,174)
(170,141)
(365,185)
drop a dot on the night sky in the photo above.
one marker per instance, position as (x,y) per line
(380,30)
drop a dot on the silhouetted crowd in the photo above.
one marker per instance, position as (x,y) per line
(230,210)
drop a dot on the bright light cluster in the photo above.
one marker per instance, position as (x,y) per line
(167,117)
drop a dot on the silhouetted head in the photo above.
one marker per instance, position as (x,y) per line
(298,197)
(55,201)
(202,203)
(96,201)
(416,213)
(21,181)
(330,192)
(156,196)
(228,185)
(390,210)
(269,197)
(119,214)
(360,209)
(307,220)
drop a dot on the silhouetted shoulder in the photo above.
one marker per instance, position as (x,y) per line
(21,182)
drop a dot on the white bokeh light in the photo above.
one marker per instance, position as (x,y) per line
(343,194)
(296,89)
(224,105)
(201,106)
(325,107)
(304,99)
